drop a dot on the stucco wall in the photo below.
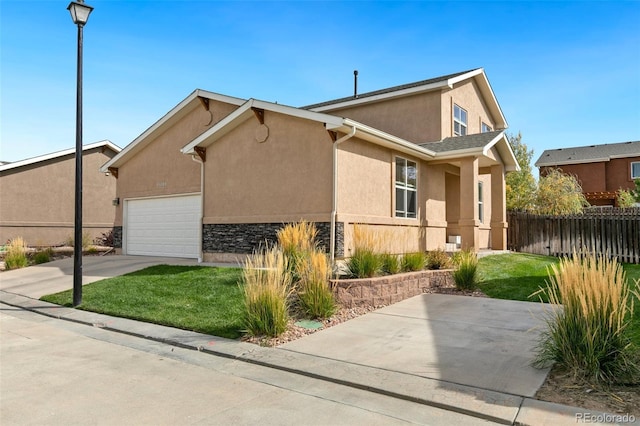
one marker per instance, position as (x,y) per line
(160,169)
(414,118)
(467,96)
(286,178)
(38,200)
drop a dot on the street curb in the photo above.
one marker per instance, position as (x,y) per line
(480,403)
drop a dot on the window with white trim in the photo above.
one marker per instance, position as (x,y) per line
(480,203)
(635,170)
(484,128)
(406,188)
(459,121)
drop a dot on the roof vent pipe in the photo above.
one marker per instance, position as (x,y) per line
(355,83)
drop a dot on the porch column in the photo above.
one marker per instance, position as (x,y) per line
(469,222)
(498,209)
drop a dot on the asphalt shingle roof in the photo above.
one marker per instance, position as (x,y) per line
(388,90)
(587,154)
(457,143)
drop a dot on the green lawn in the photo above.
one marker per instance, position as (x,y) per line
(516,276)
(198,298)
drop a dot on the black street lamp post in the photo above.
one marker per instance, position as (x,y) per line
(80,15)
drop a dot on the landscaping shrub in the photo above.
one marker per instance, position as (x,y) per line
(315,295)
(106,239)
(86,241)
(390,263)
(16,256)
(267,287)
(466,274)
(43,256)
(589,334)
(438,259)
(413,261)
(364,263)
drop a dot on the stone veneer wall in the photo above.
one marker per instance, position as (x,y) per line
(388,289)
(244,238)
(117,237)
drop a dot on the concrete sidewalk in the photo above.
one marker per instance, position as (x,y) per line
(464,354)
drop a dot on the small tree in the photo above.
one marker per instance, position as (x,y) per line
(521,185)
(625,199)
(635,193)
(559,194)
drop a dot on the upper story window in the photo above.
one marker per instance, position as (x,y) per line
(459,121)
(635,170)
(406,188)
(484,128)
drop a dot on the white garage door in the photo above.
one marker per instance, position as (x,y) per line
(163,226)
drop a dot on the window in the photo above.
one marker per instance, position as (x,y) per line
(635,170)
(406,189)
(484,128)
(459,121)
(480,203)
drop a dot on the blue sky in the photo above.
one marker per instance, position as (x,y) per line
(565,73)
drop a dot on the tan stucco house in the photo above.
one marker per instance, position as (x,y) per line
(37,196)
(423,163)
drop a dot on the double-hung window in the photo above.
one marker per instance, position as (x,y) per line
(635,170)
(406,188)
(459,121)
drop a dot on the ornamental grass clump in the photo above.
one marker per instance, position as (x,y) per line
(364,263)
(438,259)
(266,287)
(314,293)
(413,261)
(589,334)
(297,240)
(466,274)
(16,255)
(390,263)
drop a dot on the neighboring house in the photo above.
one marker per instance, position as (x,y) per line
(217,175)
(37,196)
(602,170)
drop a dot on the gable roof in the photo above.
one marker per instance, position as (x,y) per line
(58,154)
(475,145)
(331,122)
(175,113)
(588,154)
(437,83)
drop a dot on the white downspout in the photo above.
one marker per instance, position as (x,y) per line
(198,160)
(334,209)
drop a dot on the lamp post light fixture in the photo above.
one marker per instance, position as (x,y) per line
(80,15)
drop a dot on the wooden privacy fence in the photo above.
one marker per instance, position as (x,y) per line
(615,233)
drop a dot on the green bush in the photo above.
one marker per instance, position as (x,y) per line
(364,263)
(466,274)
(438,259)
(43,256)
(16,255)
(267,287)
(413,261)
(390,263)
(589,335)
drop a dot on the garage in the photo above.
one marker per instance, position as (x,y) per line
(167,226)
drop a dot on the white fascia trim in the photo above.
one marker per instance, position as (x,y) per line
(570,162)
(382,96)
(465,76)
(155,126)
(57,154)
(637,154)
(239,115)
(387,140)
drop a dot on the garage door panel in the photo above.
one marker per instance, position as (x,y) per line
(164,226)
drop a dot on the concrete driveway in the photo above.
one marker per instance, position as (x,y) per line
(479,342)
(47,278)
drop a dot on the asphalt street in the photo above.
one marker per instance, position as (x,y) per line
(57,372)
